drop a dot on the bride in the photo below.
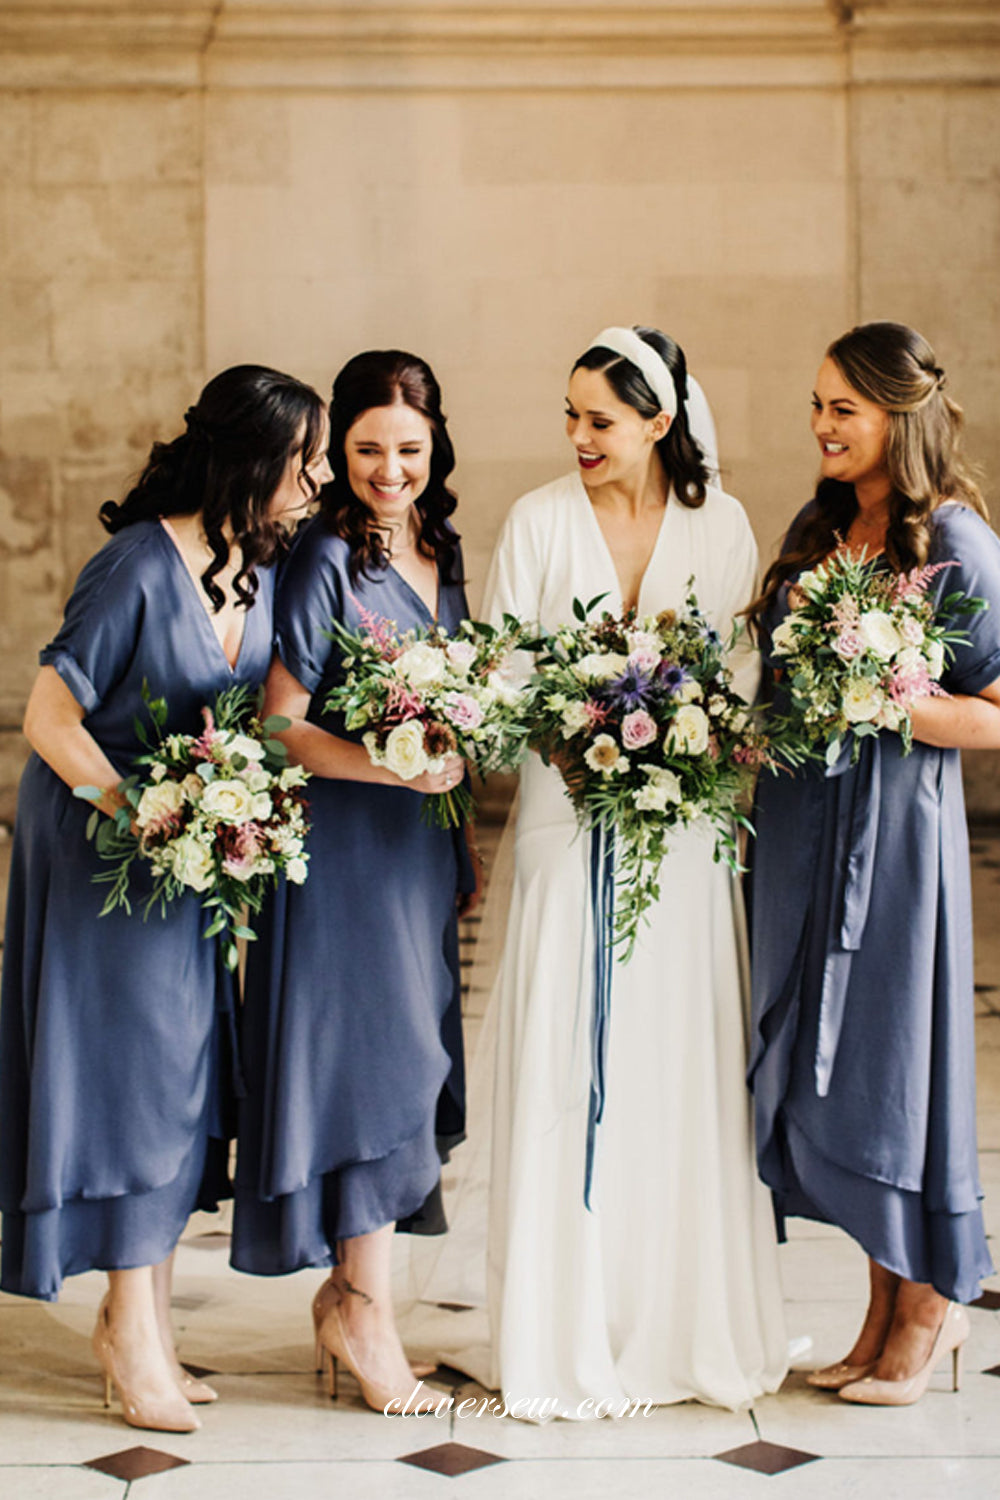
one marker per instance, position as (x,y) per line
(667,1288)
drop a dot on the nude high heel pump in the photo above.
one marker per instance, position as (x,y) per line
(197,1392)
(334,1343)
(951,1336)
(835,1377)
(329,1296)
(165,1417)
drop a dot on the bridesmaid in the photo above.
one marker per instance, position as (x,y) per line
(352,1037)
(111,1030)
(864,1062)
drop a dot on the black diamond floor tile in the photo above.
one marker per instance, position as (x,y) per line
(989,1300)
(188,1304)
(454,1306)
(215,1239)
(993,1370)
(200,1371)
(451,1459)
(136,1463)
(766,1458)
(448,1375)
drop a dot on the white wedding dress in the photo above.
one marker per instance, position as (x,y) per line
(668,1289)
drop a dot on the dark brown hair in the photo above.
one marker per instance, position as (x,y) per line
(682,459)
(384,377)
(895,367)
(245,426)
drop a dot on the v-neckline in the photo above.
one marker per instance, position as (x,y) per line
(434,613)
(610,556)
(173,543)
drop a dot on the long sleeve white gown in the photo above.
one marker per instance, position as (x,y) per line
(668,1289)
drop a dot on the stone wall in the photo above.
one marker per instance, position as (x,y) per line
(189,184)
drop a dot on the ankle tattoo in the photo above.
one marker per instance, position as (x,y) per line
(355,1291)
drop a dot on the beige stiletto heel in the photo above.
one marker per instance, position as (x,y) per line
(951,1335)
(165,1418)
(329,1296)
(335,1344)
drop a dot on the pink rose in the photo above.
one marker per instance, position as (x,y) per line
(460,653)
(463,711)
(644,659)
(638,729)
(848,644)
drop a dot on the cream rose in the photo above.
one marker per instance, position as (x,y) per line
(420,665)
(296,871)
(879,634)
(785,635)
(242,744)
(229,801)
(862,701)
(158,803)
(404,752)
(192,863)
(935,659)
(688,732)
(599,666)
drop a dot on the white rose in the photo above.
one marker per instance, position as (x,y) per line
(420,665)
(242,744)
(862,701)
(261,807)
(599,666)
(158,803)
(229,801)
(688,732)
(785,635)
(935,659)
(910,659)
(574,718)
(192,863)
(296,871)
(879,633)
(404,750)
(689,692)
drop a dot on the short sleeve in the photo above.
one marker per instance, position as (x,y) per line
(964,540)
(309,596)
(103,620)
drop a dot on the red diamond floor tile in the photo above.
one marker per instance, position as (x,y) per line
(989,1300)
(451,1459)
(136,1463)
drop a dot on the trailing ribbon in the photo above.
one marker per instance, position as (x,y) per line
(602,907)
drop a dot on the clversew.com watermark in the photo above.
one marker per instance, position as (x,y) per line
(528,1408)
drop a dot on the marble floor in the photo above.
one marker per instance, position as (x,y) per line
(275,1435)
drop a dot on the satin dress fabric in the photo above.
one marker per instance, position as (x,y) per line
(863,1061)
(351,1039)
(117,1074)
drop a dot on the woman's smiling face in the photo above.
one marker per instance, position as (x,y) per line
(388,454)
(613,442)
(850,429)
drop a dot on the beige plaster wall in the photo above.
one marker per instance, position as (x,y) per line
(188,183)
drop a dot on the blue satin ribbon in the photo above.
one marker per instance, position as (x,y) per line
(856,846)
(602,907)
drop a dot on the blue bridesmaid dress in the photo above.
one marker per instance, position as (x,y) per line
(863,1056)
(116,1073)
(351,1036)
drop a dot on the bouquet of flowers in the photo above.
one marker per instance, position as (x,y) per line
(220,813)
(423,695)
(641,716)
(858,646)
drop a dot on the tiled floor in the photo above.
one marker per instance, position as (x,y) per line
(275,1435)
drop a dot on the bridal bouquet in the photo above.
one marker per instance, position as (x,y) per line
(423,695)
(858,646)
(641,717)
(220,813)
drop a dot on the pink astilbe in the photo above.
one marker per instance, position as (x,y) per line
(913,585)
(378,629)
(243,845)
(845,611)
(204,747)
(402,704)
(914,682)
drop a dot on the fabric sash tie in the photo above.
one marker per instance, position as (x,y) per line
(857,840)
(602,907)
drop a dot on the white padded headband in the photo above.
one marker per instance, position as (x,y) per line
(630,346)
